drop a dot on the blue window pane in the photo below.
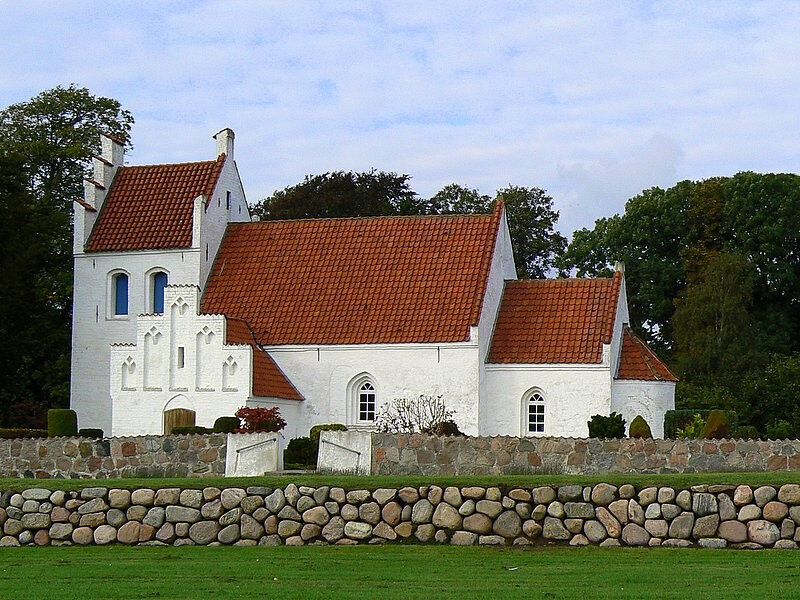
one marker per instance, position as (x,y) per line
(121,294)
(159,282)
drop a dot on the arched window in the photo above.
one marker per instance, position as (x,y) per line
(533,413)
(120,288)
(158,283)
(366,401)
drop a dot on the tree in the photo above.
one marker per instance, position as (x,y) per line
(713,321)
(341,194)
(46,145)
(771,394)
(531,223)
(458,199)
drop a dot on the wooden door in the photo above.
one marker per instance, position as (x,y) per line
(178,417)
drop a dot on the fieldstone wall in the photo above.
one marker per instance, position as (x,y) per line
(87,458)
(715,516)
(419,454)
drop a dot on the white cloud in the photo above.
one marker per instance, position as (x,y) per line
(593,102)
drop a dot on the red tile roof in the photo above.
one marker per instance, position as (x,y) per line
(638,362)
(268,379)
(355,281)
(150,207)
(555,320)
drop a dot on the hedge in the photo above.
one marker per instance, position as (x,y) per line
(10,433)
(62,422)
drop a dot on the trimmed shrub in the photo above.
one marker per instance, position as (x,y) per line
(259,419)
(300,452)
(639,428)
(226,424)
(90,432)
(10,433)
(717,426)
(62,422)
(444,428)
(612,426)
(780,430)
(190,429)
(316,429)
(680,418)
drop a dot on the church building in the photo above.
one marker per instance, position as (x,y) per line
(186,310)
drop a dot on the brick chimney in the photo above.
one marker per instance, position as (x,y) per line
(224,140)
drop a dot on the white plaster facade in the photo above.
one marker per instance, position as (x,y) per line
(126,371)
(95,327)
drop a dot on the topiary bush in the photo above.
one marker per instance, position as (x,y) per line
(717,426)
(259,419)
(693,429)
(444,428)
(612,426)
(639,428)
(316,429)
(10,433)
(62,422)
(300,452)
(90,432)
(190,429)
(226,424)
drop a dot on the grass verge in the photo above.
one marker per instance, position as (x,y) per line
(677,480)
(396,571)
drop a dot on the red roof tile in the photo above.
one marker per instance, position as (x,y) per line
(555,320)
(638,362)
(355,281)
(150,207)
(268,379)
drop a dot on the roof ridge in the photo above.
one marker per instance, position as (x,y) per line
(368,218)
(176,164)
(531,280)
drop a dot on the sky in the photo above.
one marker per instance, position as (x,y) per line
(591,101)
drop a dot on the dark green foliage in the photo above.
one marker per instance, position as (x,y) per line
(772,393)
(46,146)
(781,430)
(444,428)
(62,421)
(190,429)
(639,428)
(11,433)
(316,429)
(341,194)
(612,426)
(300,451)
(744,432)
(226,424)
(680,418)
(90,433)
(717,426)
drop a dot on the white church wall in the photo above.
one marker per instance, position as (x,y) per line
(650,399)
(324,376)
(501,270)
(95,327)
(572,394)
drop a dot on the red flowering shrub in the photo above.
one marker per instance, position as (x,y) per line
(260,419)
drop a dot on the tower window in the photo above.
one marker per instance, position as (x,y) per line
(228,200)
(159,282)
(120,294)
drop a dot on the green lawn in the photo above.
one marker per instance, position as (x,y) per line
(377,481)
(399,571)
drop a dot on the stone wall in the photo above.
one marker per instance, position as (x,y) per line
(714,516)
(85,458)
(417,454)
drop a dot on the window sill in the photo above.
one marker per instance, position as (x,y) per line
(229,389)
(152,389)
(119,318)
(178,389)
(205,389)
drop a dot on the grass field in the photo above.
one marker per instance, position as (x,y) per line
(377,481)
(399,571)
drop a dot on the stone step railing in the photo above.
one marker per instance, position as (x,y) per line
(714,516)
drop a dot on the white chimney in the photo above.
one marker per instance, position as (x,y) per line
(225,142)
